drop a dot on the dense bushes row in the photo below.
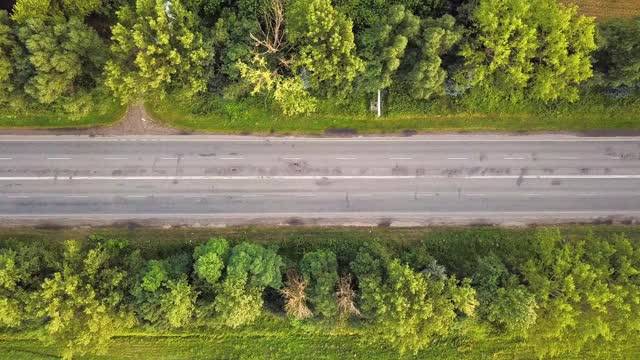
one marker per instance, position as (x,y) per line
(552,295)
(56,54)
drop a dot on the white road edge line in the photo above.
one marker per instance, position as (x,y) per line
(317,177)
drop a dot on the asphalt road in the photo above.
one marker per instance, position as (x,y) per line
(227,179)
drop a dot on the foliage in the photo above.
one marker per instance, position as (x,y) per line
(84,303)
(156,48)
(294,293)
(210,259)
(326,46)
(539,46)
(320,270)
(250,270)
(618,57)
(409,307)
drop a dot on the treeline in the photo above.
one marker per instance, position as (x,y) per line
(552,295)
(295,53)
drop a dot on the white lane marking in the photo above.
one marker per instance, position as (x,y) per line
(116,158)
(252,195)
(472,194)
(137,196)
(231,158)
(230,139)
(193,196)
(77,196)
(363,195)
(401,158)
(534,194)
(425,194)
(305,195)
(346,158)
(169,158)
(5,158)
(567,158)
(514,158)
(291,158)
(318,177)
(587,194)
(457,158)
(17,196)
(59,158)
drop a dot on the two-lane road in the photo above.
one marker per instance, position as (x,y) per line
(538,178)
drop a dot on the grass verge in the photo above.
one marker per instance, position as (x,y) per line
(106,110)
(274,336)
(250,116)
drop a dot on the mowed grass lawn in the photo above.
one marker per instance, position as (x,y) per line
(607,9)
(253,117)
(274,336)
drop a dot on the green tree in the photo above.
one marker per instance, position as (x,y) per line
(162,295)
(539,47)
(251,269)
(84,303)
(210,259)
(320,270)
(60,57)
(504,302)
(384,45)
(410,309)
(324,39)
(618,57)
(427,74)
(587,291)
(8,44)
(156,47)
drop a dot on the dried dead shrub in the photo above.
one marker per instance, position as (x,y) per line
(346,298)
(295,297)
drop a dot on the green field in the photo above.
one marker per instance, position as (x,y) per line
(276,337)
(592,112)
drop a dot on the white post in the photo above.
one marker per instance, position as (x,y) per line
(379,103)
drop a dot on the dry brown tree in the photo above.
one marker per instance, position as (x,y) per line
(271,36)
(295,298)
(346,298)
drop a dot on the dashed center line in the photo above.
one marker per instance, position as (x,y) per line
(568,158)
(231,158)
(116,158)
(532,194)
(514,158)
(59,158)
(77,196)
(457,158)
(169,158)
(6,158)
(346,158)
(475,194)
(137,196)
(252,195)
(292,158)
(17,196)
(401,158)
(305,195)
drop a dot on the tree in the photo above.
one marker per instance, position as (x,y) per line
(409,308)
(210,259)
(8,44)
(539,47)
(251,269)
(162,294)
(288,92)
(384,45)
(59,57)
(325,44)
(156,47)
(618,57)
(320,270)
(587,291)
(427,75)
(84,303)
(505,303)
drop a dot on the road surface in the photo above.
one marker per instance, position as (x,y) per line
(420,179)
